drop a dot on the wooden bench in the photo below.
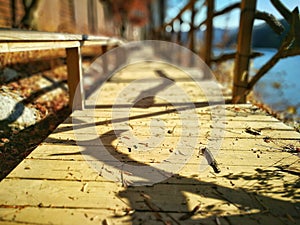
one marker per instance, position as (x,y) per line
(19,40)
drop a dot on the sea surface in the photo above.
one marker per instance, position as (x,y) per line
(280,87)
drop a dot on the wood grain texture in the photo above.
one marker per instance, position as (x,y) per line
(257,184)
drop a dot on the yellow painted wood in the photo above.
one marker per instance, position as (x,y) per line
(258,182)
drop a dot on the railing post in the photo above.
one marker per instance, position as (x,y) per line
(241,65)
(75,81)
(209,31)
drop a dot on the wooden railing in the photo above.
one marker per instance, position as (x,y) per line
(19,40)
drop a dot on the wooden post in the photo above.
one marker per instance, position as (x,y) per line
(241,65)
(209,31)
(192,29)
(75,80)
(104,59)
(92,16)
(162,9)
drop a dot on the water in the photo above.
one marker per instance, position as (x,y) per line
(280,87)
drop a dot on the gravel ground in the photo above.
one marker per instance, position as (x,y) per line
(34,101)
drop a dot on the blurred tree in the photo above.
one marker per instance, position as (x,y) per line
(124,13)
(30,7)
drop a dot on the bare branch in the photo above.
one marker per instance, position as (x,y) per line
(263,70)
(295,26)
(292,52)
(189,5)
(270,20)
(227,9)
(283,52)
(228,56)
(221,12)
(282,9)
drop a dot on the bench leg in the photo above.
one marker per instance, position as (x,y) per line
(75,81)
(105,61)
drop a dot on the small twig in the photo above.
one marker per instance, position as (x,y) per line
(172,130)
(191,213)
(253,131)
(124,181)
(218,222)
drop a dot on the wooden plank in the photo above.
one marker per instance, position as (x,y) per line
(258,180)
(21,35)
(75,81)
(108,196)
(232,146)
(105,60)
(34,216)
(61,194)
(90,132)
(77,169)
(101,42)
(32,45)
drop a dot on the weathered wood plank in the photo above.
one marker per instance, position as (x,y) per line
(81,170)
(22,35)
(258,180)
(88,134)
(68,195)
(88,217)
(232,146)
(85,216)
(31,46)
(46,45)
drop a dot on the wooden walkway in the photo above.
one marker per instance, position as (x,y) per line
(258,183)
